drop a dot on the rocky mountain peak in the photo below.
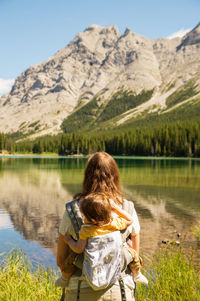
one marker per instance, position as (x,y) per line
(127,31)
(95,64)
(102,30)
(191,38)
(95,27)
(197,28)
(112,29)
(95,37)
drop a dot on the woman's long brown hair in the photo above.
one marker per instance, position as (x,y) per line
(102,176)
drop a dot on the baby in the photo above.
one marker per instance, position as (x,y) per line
(97,211)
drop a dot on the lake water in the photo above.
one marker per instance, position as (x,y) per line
(33,193)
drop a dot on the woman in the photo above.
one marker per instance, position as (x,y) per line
(101,176)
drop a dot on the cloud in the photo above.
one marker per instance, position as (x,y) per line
(6,85)
(179,33)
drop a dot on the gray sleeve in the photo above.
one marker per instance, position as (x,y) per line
(135,227)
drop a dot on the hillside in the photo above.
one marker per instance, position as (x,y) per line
(103,80)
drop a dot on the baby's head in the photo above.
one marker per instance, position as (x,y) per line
(96,209)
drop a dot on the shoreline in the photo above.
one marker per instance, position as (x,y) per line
(54,155)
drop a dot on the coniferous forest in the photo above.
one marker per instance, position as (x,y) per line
(181,139)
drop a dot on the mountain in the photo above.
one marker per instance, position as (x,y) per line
(102,79)
(192,38)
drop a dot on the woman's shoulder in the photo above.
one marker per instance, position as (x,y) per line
(127,205)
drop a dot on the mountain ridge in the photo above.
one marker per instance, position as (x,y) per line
(96,65)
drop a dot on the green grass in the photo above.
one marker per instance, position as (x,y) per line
(19,283)
(196,231)
(91,115)
(187,112)
(172,277)
(170,86)
(185,92)
(81,118)
(123,101)
(33,124)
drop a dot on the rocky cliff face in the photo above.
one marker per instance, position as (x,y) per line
(97,63)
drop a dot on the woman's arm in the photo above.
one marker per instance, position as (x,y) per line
(122,213)
(76,246)
(62,251)
(136,242)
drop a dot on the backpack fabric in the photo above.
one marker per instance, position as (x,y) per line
(103,254)
(73,210)
(102,260)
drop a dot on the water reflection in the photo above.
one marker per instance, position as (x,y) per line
(5,221)
(35,204)
(33,193)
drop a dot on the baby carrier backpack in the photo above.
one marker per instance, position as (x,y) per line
(102,260)
(102,257)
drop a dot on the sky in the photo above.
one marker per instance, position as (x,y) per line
(31,31)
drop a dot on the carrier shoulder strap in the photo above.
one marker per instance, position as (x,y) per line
(122,288)
(73,210)
(75,215)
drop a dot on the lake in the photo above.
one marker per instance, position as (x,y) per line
(33,193)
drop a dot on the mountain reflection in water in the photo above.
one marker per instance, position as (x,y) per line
(33,193)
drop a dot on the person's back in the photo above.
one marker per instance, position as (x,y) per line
(100,239)
(101,175)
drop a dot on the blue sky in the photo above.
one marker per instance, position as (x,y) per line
(33,30)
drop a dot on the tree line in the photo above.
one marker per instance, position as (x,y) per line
(6,144)
(181,139)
